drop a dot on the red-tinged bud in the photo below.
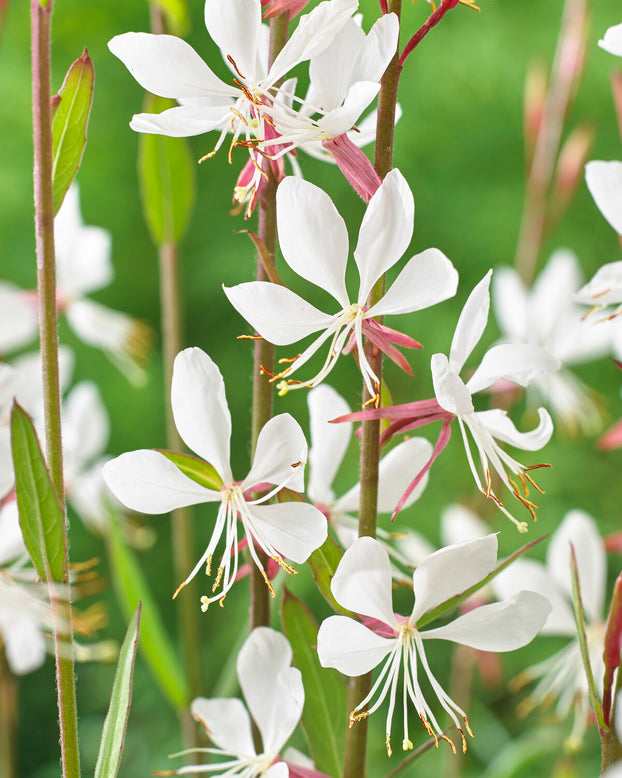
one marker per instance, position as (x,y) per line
(571,163)
(278,7)
(355,165)
(536,83)
(616,89)
(613,643)
(613,543)
(612,438)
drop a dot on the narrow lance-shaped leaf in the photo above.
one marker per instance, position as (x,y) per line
(201,472)
(577,604)
(72,107)
(132,588)
(167,175)
(113,734)
(325,712)
(41,515)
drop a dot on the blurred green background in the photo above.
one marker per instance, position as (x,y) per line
(460,146)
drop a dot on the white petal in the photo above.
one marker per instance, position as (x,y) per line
(450,571)
(11,539)
(18,318)
(330,72)
(85,424)
(551,295)
(604,180)
(329,442)
(7,476)
(342,119)
(183,120)
(235,27)
(378,48)
(294,529)
(396,471)
(277,770)
(449,388)
(612,41)
(519,363)
(500,626)
(501,427)
(147,481)
(313,236)
(314,33)
(471,324)
(200,408)
(362,582)
(459,524)
(278,315)
(386,230)
(167,66)
(350,647)
(280,455)
(23,642)
(427,279)
(509,300)
(580,529)
(272,688)
(527,574)
(227,723)
(605,288)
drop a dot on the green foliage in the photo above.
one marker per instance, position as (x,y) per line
(113,734)
(201,472)
(325,713)
(132,588)
(41,515)
(167,175)
(323,563)
(72,107)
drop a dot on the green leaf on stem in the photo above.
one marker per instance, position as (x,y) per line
(325,713)
(72,107)
(113,734)
(176,15)
(453,602)
(132,588)
(323,563)
(41,515)
(201,472)
(579,616)
(167,176)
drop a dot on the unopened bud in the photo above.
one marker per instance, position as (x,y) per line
(616,88)
(536,83)
(612,645)
(571,162)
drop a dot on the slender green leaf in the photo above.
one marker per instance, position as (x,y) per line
(71,118)
(41,515)
(201,472)
(167,174)
(131,587)
(176,14)
(325,714)
(113,734)
(323,563)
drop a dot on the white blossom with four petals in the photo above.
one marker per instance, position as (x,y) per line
(363,584)
(148,481)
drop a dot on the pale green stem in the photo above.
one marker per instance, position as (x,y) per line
(358,688)
(41,17)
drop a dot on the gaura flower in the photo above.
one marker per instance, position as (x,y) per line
(561,677)
(314,241)
(148,481)
(547,316)
(603,289)
(612,40)
(275,697)
(517,363)
(167,66)
(329,443)
(362,583)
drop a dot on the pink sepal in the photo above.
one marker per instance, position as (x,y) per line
(355,165)
(612,438)
(297,771)
(278,7)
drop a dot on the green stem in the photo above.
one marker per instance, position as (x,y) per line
(8,719)
(358,688)
(41,18)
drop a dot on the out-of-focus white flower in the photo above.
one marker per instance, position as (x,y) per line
(148,481)
(363,584)
(547,315)
(604,180)
(18,318)
(561,677)
(612,40)
(314,241)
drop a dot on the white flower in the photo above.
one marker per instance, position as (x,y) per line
(148,481)
(329,443)
(314,241)
(518,363)
(363,584)
(612,41)
(275,697)
(547,316)
(604,289)
(561,677)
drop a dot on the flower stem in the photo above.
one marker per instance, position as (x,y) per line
(358,687)
(8,719)
(41,18)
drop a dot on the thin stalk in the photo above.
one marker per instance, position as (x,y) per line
(41,18)
(358,688)
(8,719)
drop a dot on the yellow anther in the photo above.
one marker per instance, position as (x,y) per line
(221,570)
(268,584)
